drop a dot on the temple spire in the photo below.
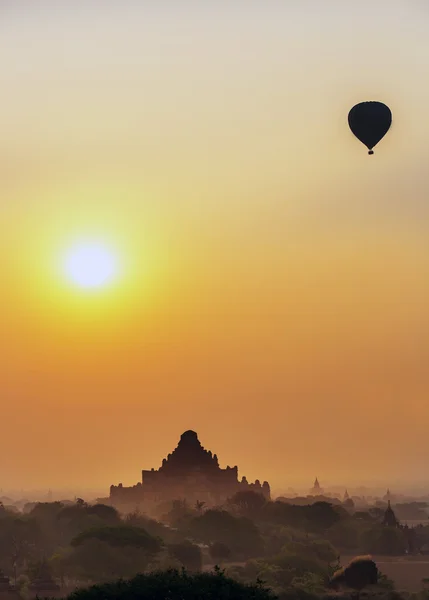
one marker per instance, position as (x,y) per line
(389,519)
(316,490)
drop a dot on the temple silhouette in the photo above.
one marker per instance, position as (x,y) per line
(189,473)
(317,489)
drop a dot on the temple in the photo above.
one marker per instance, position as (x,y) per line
(316,490)
(389,519)
(189,473)
(410,537)
(388,496)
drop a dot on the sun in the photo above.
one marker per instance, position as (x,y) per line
(90,265)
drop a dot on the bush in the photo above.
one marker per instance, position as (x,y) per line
(174,584)
(359,573)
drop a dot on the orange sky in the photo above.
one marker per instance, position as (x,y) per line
(275,280)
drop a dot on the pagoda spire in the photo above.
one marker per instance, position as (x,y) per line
(316,490)
(390,519)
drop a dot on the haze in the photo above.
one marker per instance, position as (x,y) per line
(276,280)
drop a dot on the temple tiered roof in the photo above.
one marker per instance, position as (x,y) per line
(189,455)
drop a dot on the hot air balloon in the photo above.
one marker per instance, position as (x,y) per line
(370,121)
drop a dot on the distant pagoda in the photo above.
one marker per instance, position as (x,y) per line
(389,519)
(388,496)
(316,490)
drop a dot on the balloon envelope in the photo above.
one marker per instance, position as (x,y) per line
(370,121)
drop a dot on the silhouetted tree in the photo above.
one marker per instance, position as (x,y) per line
(107,514)
(40,572)
(220,551)
(359,573)
(81,516)
(153,527)
(322,515)
(248,502)
(389,541)
(179,514)
(363,515)
(20,542)
(97,561)
(188,554)
(175,584)
(109,552)
(121,535)
(239,533)
(344,535)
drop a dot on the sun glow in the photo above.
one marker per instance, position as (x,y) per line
(90,265)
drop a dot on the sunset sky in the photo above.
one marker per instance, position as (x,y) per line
(272,281)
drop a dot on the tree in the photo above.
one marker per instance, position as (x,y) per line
(60,562)
(107,514)
(296,570)
(188,554)
(179,514)
(46,516)
(20,542)
(322,515)
(199,506)
(362,515)
(388,541)
(176,584)
(285,514)
(81,516)
(220,551)
(299,558)
(344,535)
(248,502)
(121,535)
(239,533)
(359,573)
(103,553)
(97,561)
(40,575)
(39,570)
(154,528)
(377,513)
